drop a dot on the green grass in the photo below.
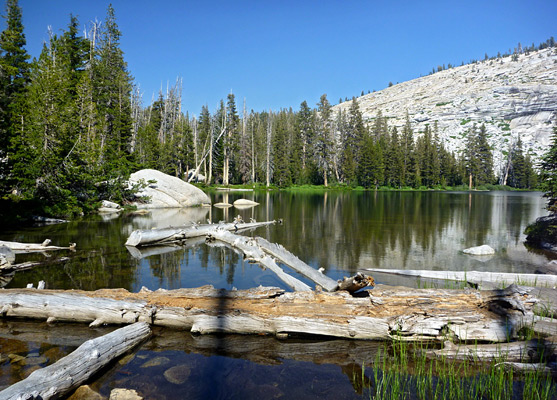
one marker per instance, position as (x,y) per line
(403,371)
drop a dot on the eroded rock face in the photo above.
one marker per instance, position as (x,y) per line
(167,191)
(512,98)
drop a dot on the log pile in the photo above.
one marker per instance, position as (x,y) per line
(410,314)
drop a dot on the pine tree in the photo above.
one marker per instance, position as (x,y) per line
(305,123)
(112,93)
(407,175)
(324,142)
(548,175)
(14,76)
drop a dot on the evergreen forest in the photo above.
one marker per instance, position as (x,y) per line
(73,126)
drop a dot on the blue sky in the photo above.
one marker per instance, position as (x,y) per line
(276,54)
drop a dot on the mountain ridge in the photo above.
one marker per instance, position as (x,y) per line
(513,96)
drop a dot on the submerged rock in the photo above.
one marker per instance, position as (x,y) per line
(86,393)
(165,191)
(124,394)
(178,374)
(155,362)
(483,250)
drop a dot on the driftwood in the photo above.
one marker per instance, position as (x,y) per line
(402,313)
(33,247)
(149,237)
(530,351)
(254,254)
(7,268)
(73,370)
(289,259)
(476,277)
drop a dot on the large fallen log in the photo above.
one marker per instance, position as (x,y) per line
(402,313)
(73,370)
(476,277)
(150,237)
(33,247)
(254,254)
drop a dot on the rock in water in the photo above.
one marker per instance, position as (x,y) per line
(167,191)
(483,250)
(245,203)
(178,374)
(124,394)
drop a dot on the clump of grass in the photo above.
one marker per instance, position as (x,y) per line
(403,371)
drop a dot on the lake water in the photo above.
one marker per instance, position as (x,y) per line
(340,232)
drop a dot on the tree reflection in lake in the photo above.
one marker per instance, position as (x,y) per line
(339,231)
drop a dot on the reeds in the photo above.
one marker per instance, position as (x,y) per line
(402,370)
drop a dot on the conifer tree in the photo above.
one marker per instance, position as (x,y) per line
(548,174)
(305,122)
(14,76)
(324,142)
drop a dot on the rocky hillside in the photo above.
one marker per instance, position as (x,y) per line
(513,98)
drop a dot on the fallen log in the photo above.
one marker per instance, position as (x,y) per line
(70,372)
(30,264)
(387,312)
(476,277)
(149,237)
(526,351)
(33,247)
(254,254)
(289,259)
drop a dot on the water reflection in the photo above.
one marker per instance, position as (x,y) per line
(341,232)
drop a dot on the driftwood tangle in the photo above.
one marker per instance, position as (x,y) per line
(402,313)
(70,372)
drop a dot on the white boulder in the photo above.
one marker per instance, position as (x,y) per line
(245,203)
(167,191)
(109,207)
(484,250)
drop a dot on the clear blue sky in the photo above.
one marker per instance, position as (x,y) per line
(276,54)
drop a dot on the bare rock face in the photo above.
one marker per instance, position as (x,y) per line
(511,97)
(167,191)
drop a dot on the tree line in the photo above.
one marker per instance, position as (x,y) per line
(73,127)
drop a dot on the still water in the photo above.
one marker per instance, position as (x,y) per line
(340,232)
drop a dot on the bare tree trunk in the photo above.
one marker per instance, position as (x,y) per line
(268,169)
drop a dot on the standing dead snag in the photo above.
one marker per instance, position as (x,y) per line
(72,371)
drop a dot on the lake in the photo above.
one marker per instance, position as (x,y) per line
(342,232)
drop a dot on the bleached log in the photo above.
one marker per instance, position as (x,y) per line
(476,277)
(149,237)
(33,247)
(289,259)
(30,264)
(548,369)
(387,312)
(72,371)
(252,252)
(528,351)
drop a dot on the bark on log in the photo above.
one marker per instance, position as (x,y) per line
(33,247)
(149,237)
(73,370)
(402,313)
(476,277)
